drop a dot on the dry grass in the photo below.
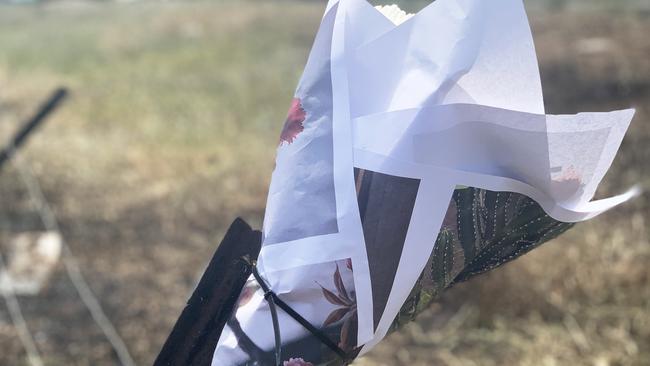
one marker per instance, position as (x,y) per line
(171,132)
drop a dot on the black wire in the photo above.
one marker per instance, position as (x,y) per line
(274,300)
(307,325)
(270,298)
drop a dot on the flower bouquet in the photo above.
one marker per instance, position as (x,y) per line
(416,154)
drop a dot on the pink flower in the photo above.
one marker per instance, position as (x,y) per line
(569,174)
(568,184)
(247,293)
(297,362)
(293,125)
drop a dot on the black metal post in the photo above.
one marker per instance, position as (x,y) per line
(195,335)
(30,126)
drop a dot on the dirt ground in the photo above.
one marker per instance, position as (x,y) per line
(170,133)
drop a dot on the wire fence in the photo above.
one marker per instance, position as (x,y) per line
(70,263)
(18,320)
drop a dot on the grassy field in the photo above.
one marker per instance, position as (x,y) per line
(171,132)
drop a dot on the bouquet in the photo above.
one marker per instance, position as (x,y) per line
(416,154)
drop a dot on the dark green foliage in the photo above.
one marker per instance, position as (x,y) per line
(442,259)
(482,230)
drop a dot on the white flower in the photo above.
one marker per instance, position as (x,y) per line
(394,13)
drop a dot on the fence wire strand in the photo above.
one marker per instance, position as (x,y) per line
(71,265)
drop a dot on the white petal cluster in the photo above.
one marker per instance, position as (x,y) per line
(394,13)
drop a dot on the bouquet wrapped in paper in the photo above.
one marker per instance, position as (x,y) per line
(416,153)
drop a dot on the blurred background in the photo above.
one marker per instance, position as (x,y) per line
(170,132)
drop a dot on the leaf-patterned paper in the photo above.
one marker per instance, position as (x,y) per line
(481,231)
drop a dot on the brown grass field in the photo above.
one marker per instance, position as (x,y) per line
(170,133)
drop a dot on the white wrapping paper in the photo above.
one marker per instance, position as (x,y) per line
(452,96)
